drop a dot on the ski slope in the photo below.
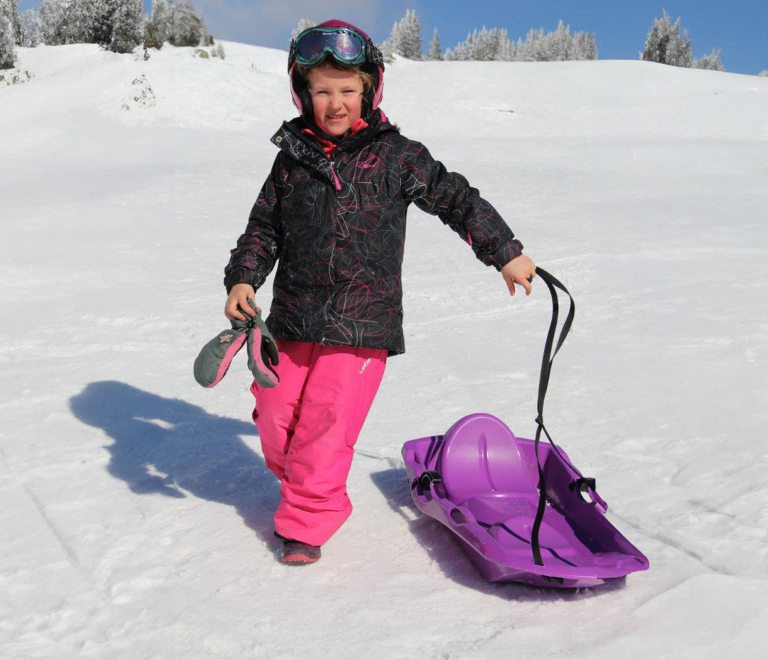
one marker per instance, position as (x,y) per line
(136,506)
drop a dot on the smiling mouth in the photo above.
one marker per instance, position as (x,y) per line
(335,117)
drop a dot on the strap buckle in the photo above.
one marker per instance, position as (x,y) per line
(583,484)
(426,479)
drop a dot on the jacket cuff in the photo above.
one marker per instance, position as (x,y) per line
(506,253)
(242,276)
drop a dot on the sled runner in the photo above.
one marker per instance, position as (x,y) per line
(521,510)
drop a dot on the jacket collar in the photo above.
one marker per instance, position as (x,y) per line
(330,142)
(306,149)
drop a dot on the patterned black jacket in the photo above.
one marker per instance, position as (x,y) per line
(337,228)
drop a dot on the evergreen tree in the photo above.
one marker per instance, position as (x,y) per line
(560,43)
(584,46)
(405,38)
(186,28)
(536,47)
(507,48)
(711,61)
(304,24)
(52,23)
(158,25)
(667,45)
(80,21)
(434,47)
(410,36)
(128,26)
(33,34)
(10,10)
(7,43)
(486,44)
(104,22)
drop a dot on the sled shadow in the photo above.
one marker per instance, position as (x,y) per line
(169,447)
(443,548)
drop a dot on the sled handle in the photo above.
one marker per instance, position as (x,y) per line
(550,350)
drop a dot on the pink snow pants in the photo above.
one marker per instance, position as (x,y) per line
(308,427)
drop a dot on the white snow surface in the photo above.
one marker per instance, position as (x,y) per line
(136,507)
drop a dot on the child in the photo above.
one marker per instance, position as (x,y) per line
(332,213)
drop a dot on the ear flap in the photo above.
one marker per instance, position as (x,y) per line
(300,93)
(369,95)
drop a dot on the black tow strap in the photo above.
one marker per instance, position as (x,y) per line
(546,367)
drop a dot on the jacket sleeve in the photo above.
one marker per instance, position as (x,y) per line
(448,195)
(259,247)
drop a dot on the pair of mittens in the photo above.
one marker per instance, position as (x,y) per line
(215,357)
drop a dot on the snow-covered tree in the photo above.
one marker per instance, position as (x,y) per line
(763,74)
(410,36)
(7,43)
(560,43)
(666,44)
(711,61)
(33,33)
(10,10)
(304,24)
(128,26)
(186,28)
(584,46)
(507,49)
(80,21)
(156,29)
(435,52)
(486,44)
(536,47)
(52,23)
(405,38)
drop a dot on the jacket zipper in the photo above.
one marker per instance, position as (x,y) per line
(335,178)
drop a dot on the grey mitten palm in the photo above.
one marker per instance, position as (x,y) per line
(214,359)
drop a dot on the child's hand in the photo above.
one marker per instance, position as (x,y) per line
(238,300)
(518,271)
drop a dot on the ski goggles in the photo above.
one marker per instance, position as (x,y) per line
(346,45)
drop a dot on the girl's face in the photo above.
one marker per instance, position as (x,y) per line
(337,98)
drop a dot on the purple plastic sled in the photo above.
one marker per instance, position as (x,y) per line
(479,480)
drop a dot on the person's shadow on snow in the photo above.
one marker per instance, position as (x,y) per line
(168,446)
(443,548)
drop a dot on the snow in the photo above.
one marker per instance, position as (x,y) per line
(136,517)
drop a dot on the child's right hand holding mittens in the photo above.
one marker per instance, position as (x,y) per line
(238,300)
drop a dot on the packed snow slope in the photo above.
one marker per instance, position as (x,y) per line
(136,507)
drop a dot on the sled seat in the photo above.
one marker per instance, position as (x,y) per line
(485,471)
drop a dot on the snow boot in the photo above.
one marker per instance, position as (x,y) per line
(297,553)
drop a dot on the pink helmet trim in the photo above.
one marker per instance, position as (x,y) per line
(294,95)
